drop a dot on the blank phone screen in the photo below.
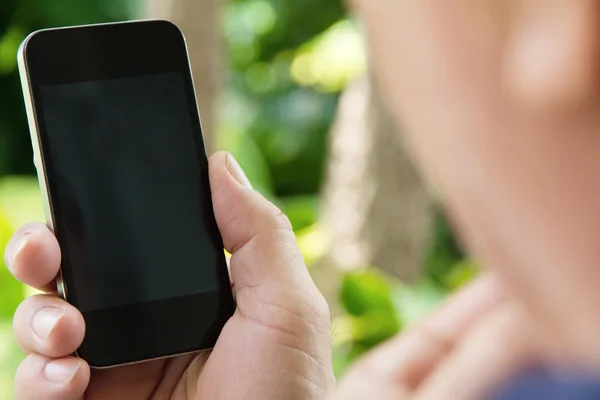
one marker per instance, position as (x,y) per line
(129,179)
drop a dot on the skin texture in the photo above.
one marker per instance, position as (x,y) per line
(277,345)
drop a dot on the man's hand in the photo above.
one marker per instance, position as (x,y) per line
(462,352)
(276,346)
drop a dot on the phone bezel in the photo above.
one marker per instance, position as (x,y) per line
(143,331)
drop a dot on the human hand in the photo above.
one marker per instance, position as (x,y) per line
(277,344)
(467,349)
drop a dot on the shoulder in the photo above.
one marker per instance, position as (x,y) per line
(541,384)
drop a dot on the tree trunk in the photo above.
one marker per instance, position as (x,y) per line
(376,208)
(200,22)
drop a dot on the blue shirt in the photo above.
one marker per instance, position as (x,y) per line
(542,385)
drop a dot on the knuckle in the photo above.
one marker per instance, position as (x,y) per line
(280,220)
(270,315)
(284,310)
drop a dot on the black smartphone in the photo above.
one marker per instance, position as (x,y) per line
(124,176)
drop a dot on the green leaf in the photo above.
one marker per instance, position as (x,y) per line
(365,292)
(375,327)
(460,274)
(444,252)
(9,44)
(302,211)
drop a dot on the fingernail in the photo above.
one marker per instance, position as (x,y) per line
(236,171)
(61,371)
(45,320)
(16,247)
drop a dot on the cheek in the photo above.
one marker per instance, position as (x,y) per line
(433,58)
(525,191)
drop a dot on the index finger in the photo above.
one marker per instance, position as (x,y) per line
(400,365)
(499,346)
(33,256)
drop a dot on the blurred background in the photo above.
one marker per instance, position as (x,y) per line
(285,86)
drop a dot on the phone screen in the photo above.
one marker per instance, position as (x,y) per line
(127,173)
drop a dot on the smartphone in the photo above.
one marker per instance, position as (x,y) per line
(123,172)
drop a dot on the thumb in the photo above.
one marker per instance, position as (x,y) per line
(280,315)
(257,234)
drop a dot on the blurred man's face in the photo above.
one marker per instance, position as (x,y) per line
(500,101)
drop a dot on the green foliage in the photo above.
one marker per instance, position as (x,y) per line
(367,297)
(444,253)
(274,26)
(17,19)
(19,203)
(251,159)
(10,357)
(20,200)
(331,60)
(301,210)
(287,121)
(365,292)
(414,302)
(378,307)
(314,242)
(8,48)
(460,274)
(372,316)
(12,292)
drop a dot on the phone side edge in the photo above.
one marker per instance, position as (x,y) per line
(35,143)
